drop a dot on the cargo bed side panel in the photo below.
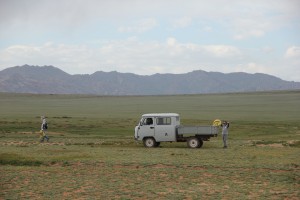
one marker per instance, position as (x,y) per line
(197,130)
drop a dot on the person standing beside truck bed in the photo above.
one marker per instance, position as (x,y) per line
(225,126)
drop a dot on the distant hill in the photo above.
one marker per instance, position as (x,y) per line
(51,80)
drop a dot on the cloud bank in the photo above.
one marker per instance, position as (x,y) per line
(147,37)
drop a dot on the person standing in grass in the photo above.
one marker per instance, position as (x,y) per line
(225,126)
(44,128)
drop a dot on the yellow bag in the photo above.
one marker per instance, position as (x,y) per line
(217,122)
(42,133)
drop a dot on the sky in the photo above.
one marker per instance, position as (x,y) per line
(146,37)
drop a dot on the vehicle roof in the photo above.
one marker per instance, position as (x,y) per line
(161,115)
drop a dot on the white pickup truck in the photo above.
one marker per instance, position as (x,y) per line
(165,127)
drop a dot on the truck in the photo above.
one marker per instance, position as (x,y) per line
(154,128)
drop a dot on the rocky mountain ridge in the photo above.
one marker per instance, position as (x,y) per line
(52,80)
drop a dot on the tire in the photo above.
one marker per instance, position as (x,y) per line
(193,142)
(149,142)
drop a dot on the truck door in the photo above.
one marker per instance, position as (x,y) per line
(146,127)
(164,129)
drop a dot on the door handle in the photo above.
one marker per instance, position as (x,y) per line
(152,127)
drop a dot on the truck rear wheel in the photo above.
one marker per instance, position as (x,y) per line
(194,142)
(149,142)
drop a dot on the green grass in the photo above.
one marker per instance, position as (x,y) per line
(92,154)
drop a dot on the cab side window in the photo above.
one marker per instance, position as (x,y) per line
(163,121)
(148,121)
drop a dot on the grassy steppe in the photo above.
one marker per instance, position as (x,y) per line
(92,154)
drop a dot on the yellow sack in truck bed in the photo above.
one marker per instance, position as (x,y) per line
(217,122)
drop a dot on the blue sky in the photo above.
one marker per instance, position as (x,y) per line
(153,36)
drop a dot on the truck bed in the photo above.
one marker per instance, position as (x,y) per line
(197,130)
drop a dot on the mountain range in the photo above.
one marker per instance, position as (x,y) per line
(52,80)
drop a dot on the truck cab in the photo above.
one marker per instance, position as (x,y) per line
(157,127)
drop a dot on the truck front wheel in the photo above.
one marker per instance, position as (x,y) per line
(149,142)
(194,142)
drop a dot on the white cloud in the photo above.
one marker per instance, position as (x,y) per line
(182,22)
(290,69)
(129,55)
(293,52)
(252,68)
(244,18)
(267,49)
(255,19)
(222,50)
(208,29)
(253,26)
(171,41)
(47,54)
(132,55)
(139,26)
